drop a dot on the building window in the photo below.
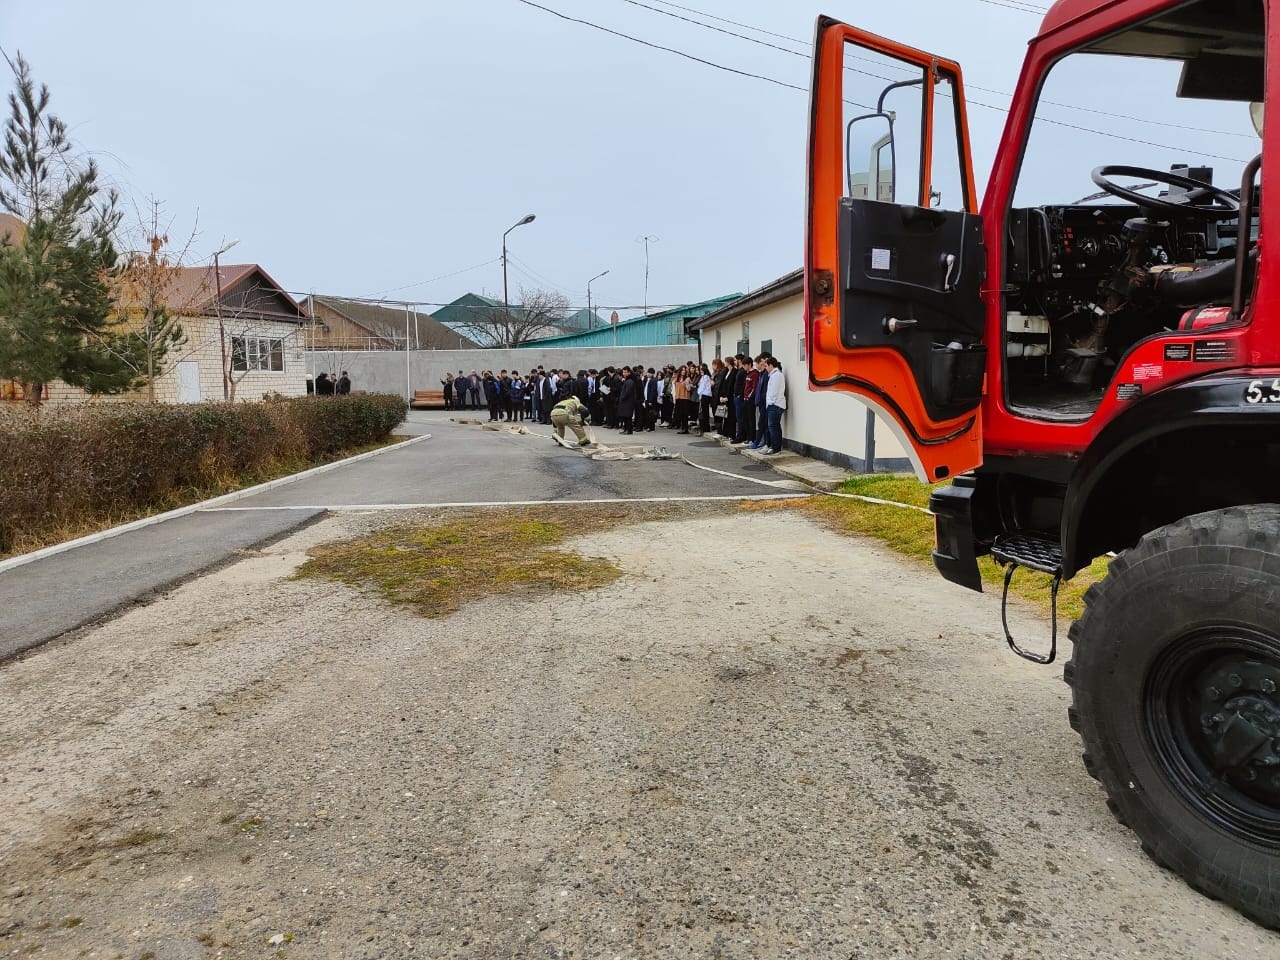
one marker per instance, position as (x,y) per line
(257,353)
(766,346)
(804,349)
(718,356)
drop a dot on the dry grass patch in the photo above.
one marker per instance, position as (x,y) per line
(437,566)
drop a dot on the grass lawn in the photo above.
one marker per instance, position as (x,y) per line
(910,533)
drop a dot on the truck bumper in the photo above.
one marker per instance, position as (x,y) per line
(953,553)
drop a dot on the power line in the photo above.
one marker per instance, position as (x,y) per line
(1120,136)
(527,271)
(1000,93)
(974,103)
(1018,5)
(707,26)
(443,276)
(735,23)
(657,46)
(383,302)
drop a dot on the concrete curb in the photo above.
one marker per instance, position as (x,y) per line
(101,535)
(812,473)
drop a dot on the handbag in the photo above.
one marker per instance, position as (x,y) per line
(721,411)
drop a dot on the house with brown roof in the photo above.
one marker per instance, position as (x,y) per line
(241,321)
(12,229)
(244,316)
(351,325)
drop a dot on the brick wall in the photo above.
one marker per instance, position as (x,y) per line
(203,349)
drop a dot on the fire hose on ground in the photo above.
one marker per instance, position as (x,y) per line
(658,452)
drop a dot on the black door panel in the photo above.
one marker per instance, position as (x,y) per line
(911,281)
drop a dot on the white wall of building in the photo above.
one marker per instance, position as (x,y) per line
(203,348)
(825,424)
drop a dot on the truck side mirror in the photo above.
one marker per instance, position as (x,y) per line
(870,161)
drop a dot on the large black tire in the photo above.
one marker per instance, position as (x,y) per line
(1174,677)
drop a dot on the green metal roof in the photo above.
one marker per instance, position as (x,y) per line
(462,311)
(665,328)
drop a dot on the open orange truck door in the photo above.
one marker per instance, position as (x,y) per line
(895,259)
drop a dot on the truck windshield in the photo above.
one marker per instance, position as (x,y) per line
(1172,91)
(1081,124)
(1125,223)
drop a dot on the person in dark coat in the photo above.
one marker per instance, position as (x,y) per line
(546,397)
(732,376)
(761,392)
(647,408)
(515,397)
(564,386)
(343,386)
(508,404)
(324,386)
(460,387)
(492,391)
(447,383)
(628,395)
(747,404)
(610,401)
(533,391)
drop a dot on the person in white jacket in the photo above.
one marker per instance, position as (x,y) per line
(775,401)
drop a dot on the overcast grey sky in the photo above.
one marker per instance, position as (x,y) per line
(366,149)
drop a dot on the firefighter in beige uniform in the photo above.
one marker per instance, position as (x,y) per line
(570,412)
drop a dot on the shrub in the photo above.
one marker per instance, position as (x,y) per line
(75,467)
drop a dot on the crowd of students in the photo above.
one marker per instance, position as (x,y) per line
(327,384)
(739,398)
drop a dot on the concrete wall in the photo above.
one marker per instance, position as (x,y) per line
(384,371)
(825,424)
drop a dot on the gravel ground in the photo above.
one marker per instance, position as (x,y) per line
(765,740)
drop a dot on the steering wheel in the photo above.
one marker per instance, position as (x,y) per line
(1221,205)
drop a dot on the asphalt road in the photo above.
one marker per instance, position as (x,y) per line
(468,464)
(459,463)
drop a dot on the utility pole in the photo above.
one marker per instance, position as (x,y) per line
(217,307)
(408,378)
(646,241)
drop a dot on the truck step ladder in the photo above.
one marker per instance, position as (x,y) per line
(1035,552)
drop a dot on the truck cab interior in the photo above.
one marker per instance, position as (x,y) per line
(1159,244)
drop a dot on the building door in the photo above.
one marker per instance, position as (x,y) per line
(188,373)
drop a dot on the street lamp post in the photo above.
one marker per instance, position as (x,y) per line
(217,308)
(591,317)
(506,304)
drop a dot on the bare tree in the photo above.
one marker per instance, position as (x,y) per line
(253,349)
(254,343)
(148,303)
(539,314)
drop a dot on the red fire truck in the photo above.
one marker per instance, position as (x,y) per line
(1089,376)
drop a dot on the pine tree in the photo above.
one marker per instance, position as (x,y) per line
(55,278)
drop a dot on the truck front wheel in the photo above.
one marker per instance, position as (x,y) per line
(1174,676)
